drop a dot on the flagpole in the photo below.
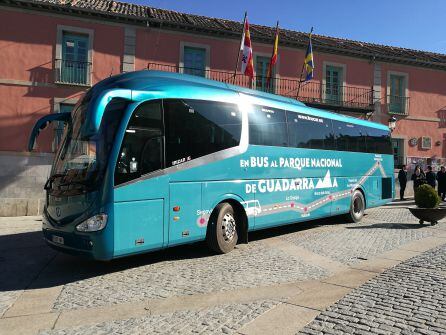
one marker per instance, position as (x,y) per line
(238,52)
(303,66)
(272,55)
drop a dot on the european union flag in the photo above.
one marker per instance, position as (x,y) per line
(309,62)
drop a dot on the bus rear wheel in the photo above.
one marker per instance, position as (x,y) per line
(222,229)
(357,207)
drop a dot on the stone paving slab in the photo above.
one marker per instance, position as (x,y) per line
(318,295)
(409,298)
(27,325)
(277,320)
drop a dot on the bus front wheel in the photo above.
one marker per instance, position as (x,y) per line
(222,229)
(357,207)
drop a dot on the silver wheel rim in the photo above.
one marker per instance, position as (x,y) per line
(357,206)
(228,227)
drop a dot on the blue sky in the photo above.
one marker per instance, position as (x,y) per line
(415,24)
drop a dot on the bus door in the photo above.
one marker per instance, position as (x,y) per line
(140,186)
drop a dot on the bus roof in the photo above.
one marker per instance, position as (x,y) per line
(150,80)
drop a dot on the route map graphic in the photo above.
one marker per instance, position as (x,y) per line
(307,208)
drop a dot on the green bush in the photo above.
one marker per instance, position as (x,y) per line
(426,197)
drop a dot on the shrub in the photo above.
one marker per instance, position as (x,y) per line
(426,197)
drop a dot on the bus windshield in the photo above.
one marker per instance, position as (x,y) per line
(81,160)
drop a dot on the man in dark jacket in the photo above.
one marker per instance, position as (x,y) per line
(431,177)
(402,178)
(441,178)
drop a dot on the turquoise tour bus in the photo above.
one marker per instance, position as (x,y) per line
(151,159)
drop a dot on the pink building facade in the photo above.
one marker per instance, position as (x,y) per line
(52,52)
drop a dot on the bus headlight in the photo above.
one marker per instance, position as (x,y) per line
(94,223)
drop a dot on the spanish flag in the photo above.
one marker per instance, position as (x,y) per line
(273,60)
(247,59)
(309,62)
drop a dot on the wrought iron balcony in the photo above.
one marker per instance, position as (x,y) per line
(72,72)
(313,93)
(398,105)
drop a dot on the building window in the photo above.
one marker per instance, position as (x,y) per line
(261,66)
(73,55)
(398,152)
(334,79)
(195,61)
(397,100)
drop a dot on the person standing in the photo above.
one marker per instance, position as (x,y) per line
(418,178)
(431,177)
(441,178)
(402,178)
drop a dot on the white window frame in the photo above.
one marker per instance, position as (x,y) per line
(56,109)
(207,47)
(406,89)
(324,77)
(61,29)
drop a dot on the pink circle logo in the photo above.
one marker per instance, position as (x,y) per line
(202,221)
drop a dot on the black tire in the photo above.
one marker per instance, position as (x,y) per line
(357,207)
(222,229)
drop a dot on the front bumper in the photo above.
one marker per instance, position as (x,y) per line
(67,240)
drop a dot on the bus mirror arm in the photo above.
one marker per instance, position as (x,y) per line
(42,123)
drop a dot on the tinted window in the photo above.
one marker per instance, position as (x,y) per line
(378,141)
(350,137)
(306,131)
(197,128)
(267,126)
(142,148)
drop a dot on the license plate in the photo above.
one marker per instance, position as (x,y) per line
(58,239)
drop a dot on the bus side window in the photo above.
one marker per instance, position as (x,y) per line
(195,128)
(267,126)
(310,132)
(378,141)
(141,150)
(350,137)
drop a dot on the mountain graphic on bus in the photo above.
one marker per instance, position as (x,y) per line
(326,182)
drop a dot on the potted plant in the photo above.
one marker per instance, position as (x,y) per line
(427,209)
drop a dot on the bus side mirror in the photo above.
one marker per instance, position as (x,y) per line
(42,123)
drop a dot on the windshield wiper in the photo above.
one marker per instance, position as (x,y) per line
(49,182)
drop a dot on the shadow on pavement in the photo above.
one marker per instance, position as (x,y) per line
(389,225)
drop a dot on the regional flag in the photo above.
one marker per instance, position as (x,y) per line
(309,62)
(247,59)
(273,59)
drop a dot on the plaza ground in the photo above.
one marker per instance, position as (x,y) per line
(384,275)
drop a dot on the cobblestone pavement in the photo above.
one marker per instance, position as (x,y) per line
(392,215)
(223,319)
(249,266)
(370,239)
(407,299)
